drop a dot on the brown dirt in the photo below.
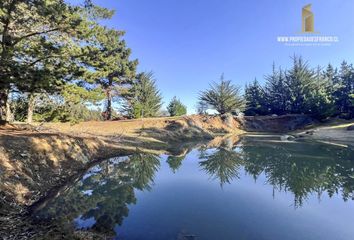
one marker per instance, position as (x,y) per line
(133,128)
(284,123)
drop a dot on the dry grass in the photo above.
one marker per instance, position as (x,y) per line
(132,127)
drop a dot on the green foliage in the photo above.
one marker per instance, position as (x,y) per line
(222,164)
(19,108)
(320,101)
(254,96)
(223,96)
(176,108)
(144,99)
(49,47)
(303,90)
(38,51)
(343,89)
(175,162)
(105,195)
(111,68)
(71,105)
(276,93)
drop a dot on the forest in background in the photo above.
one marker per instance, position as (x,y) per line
(320,92)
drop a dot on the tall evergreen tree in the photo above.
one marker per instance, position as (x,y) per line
(320,102)
(43,45)
(300,80)
(276,92)
(23,22)
(143,99)
(343,88)
(112,68)
(254,96)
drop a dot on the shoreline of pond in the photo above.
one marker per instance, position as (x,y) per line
(37,159)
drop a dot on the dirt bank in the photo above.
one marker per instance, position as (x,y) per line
(284,123)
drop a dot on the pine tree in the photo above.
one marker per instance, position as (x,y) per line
(176,108)
(143,99)
(320,103)
(24,24)
(276,93)
(175,162)
(112,68)
(223,96)
(343,88)
(45,46)
(255,102)
(300,80)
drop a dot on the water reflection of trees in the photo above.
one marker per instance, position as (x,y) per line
(222,164)
(175,162)
(300,168)
(303,168)
(104,193)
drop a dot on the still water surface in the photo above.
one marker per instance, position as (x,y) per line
(253,189)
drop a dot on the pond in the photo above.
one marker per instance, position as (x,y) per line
(256,188)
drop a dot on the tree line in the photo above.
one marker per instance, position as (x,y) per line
(317,91)
(57,62)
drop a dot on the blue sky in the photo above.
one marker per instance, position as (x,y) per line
(190,43)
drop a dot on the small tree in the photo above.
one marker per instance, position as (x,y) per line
(176,108)
(223,96)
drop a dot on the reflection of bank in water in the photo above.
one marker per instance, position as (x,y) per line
(101,200)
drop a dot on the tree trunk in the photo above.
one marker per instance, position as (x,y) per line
(109,100)
(9,117)
(30,109)
(109,105)
(4,94)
